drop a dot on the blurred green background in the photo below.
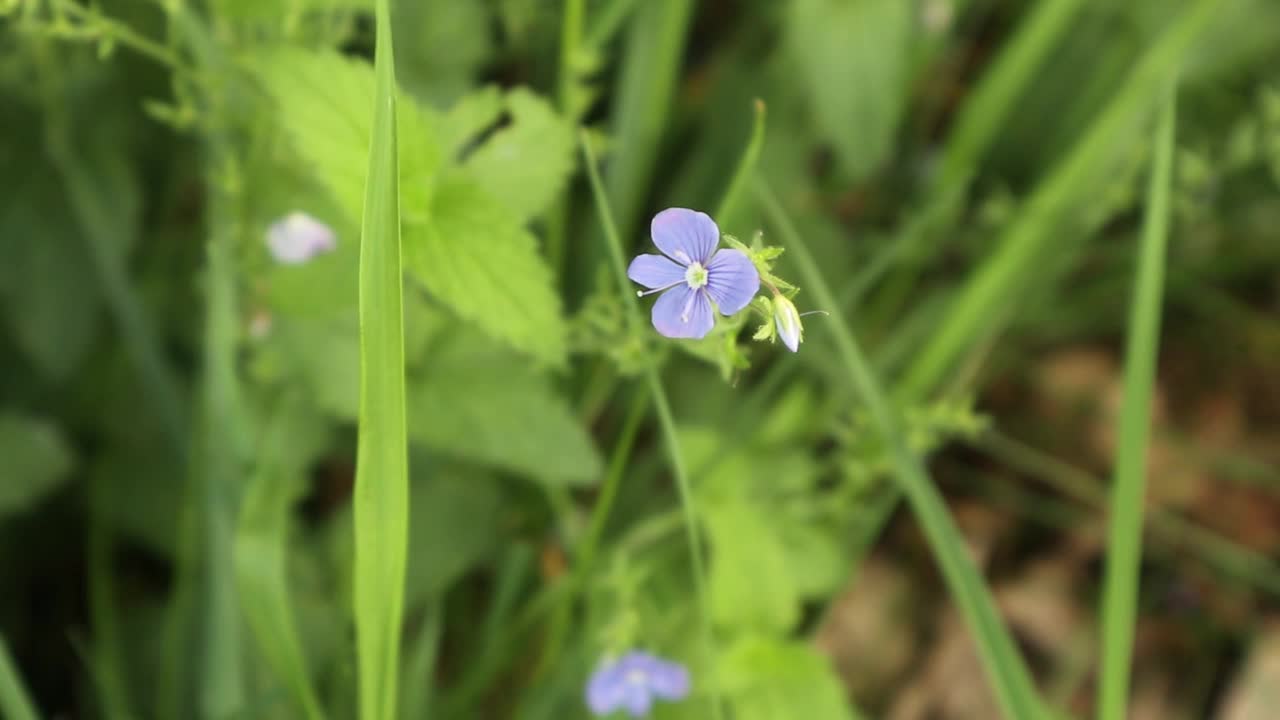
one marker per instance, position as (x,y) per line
(178,409)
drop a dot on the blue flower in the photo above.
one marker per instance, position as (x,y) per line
(632,681)
(691,274)
(298,237)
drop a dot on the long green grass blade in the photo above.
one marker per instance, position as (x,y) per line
(382,469)
(981,308)
(1004,666)
(1124,542)
(988,107)
(14,700)
(666,421)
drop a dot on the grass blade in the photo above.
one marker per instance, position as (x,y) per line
(981,308)
(289,441)
(1124,541)
(1004,666)
(14,700)
(746,169)
(382,470)
(667,423)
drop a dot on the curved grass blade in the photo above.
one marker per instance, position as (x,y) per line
(1005,668)
(382,466)
(1124,540)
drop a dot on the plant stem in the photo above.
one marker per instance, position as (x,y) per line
(667,422)
(1124,541)
(1005,668)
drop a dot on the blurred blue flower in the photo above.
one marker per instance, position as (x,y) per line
(692,274)
(632,681)
(298,237)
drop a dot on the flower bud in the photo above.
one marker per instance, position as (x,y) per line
(788,321)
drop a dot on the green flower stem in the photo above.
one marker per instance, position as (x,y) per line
(1124,542)
(667,422)
(1005,668)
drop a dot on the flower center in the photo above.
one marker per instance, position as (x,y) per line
(637,677)
(695,275)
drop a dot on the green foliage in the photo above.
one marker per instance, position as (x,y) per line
(852,57)
(36,462)
(209,444)
(473,400)
(478,259)
(380,504)
(772,679)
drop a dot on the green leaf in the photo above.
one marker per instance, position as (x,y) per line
(751,584)
(853,56)
(771,679)
(455,525)
(476,258)
(36,462)
(381,501)
(476,402)
(525,164)
(48,291)
(324,103)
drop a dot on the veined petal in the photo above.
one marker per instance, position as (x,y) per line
(683,312)
(655,271)
(686,236)
(732,280)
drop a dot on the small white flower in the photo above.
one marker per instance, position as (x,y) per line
(298,237)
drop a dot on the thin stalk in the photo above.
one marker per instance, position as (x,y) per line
(1124,541)
(586,553)
(1005,668)
(667,422)
(571,23)
(746,168)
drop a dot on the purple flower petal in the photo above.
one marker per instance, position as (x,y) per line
(668,680)
(732,280)
(639,701)
(686,236)
(683,312)
(655,271)
(607,690)
(298,237)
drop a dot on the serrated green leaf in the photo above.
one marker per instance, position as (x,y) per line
(468,117)
(751,585)
(525,164)
(769,679)
(36,461)
(474,257)
(324,103)
(478,403)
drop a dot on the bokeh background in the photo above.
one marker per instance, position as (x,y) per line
(178,409)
